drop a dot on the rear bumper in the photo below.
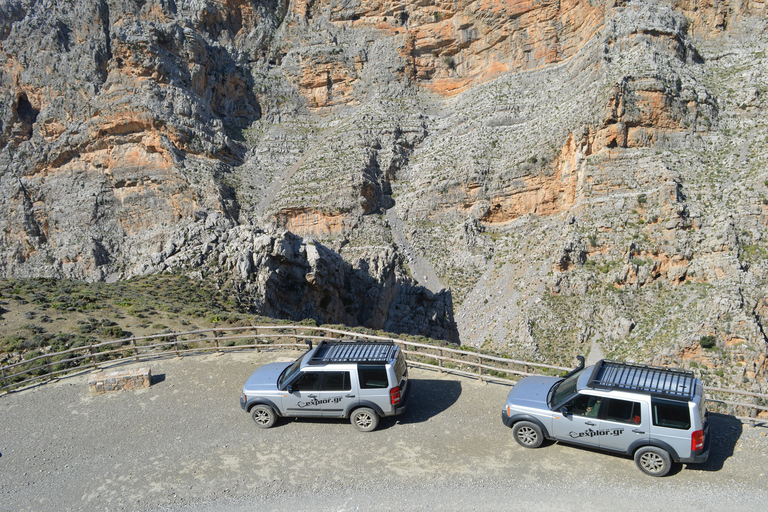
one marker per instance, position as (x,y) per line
(697,458)
(403,405)
(701,456)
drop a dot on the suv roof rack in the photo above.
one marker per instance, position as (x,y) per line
(355,351)
(656,380)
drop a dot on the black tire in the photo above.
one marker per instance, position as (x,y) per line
(528,434)
(263,416)
(364,419)
(653,461)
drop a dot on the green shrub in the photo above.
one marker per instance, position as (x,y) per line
(114,331)
(707,341)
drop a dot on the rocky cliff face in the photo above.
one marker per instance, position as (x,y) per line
(544,178)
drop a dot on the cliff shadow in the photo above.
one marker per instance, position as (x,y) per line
(373,292)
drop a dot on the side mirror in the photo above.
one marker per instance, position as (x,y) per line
(289,389)
(564,411)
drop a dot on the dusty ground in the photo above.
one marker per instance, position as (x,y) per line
(184,444)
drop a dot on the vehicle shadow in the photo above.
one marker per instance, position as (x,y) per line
(724,433)
(428,398)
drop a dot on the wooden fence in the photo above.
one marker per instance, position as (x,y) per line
(440,358)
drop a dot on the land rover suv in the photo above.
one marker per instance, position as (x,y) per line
(359,380)
(656,415)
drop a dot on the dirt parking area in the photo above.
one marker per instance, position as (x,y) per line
(185,444)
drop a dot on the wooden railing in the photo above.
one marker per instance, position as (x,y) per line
(485,367)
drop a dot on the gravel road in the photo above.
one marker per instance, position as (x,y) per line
(184,445)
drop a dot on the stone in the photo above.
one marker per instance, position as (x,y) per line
(103,382)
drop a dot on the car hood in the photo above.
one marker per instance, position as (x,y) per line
(265,378)
(531,392)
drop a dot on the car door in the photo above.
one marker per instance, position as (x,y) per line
(336,394)
(580,425)
(622,423)
(302,400)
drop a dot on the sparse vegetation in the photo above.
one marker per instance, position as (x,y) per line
(707,341)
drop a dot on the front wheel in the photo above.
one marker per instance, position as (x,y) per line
(364,419)
(263,416)
(653,461)
(528,434)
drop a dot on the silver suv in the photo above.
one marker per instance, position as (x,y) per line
(656,415)
(359,380)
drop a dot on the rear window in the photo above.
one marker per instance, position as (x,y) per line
(670,414)
(372,377)
(400,367)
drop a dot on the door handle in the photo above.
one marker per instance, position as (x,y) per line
(312,396)
(638,431)
(591,424)
(349,396)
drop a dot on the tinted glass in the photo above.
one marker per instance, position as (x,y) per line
(623,411)
(401,369)
(336,381)
(584,405)
(671,414)
(372,377)
(306,381)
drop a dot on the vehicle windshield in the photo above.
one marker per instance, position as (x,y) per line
(288,372)
(563,389)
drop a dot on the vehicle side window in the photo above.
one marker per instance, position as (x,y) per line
(623,411)
(336,381)
(372,377)
(584,405)
(670,414)
(306,381)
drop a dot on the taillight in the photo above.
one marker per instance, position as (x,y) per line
(697,441)
(394,395)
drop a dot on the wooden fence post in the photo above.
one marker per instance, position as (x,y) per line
(753,413)
(480,368)
(216,341)
(93,357)
(135,349)
(176,346)
(256,338)
(5,382)
(440,361)
(48,366)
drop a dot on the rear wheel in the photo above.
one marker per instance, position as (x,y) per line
(528,434)
(263,416)
(653,461)
(364,419)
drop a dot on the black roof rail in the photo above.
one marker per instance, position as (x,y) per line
(354,351)
(658,381)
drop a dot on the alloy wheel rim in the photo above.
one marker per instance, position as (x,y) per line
(527,435)
(652,462)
